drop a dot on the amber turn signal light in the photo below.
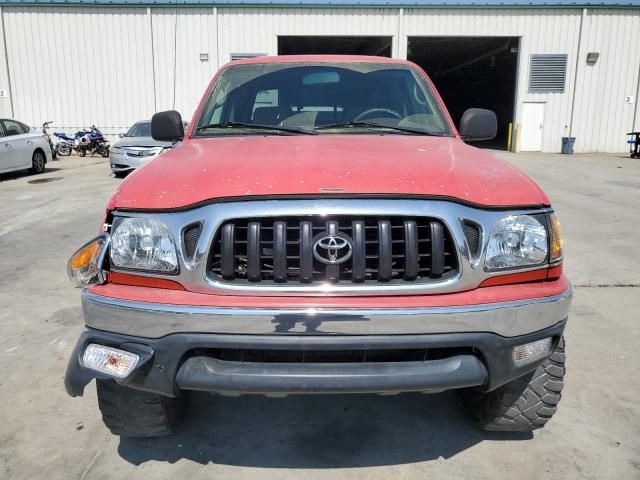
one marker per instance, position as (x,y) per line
(557,242)
(83,257)
(85,266)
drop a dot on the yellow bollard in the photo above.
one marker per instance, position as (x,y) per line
(509,132)
(516,142)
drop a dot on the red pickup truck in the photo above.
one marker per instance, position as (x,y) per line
(323,227)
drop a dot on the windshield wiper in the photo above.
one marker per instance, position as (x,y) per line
(415,131)
(243,125)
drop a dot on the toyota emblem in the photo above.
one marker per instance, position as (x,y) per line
(332,249)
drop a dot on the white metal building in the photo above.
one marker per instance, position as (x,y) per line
(554,69)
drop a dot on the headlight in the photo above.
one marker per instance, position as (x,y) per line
(143,244)
(115,149)
(516,241)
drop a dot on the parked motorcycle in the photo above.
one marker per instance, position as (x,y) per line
(83,142)
(65,144)
(91,141)
(45,125)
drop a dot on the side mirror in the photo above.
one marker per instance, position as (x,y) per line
(167,126)
(122,135)
(478,124)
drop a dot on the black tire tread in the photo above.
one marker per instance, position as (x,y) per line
(524,404)
(134,413)
(33,169)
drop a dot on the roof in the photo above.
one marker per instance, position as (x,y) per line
(318,59)
(347,3)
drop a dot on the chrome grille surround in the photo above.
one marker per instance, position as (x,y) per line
(195,277)
(141,152)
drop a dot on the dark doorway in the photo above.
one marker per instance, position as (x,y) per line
(472,72)
(329,45)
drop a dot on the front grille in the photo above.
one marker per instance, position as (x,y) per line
(141,152)
(286,250)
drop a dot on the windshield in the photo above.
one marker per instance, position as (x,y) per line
(321,98)
(142,129)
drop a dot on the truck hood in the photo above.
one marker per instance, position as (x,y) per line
(206,169)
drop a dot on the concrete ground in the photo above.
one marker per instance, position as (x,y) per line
(46,434)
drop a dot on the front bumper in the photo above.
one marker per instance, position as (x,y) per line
(181,362)
(121,162)
(177,345)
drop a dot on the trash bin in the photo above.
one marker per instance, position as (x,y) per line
(567,145)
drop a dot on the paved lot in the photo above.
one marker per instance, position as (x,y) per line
(45,434)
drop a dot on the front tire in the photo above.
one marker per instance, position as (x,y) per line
(134,413)
(63,150)
(524,404)
(38,162)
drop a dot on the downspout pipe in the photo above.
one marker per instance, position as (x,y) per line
(635,110)
(575,76)
(6,62)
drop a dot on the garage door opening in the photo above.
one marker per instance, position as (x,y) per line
(329,45)
(472,72)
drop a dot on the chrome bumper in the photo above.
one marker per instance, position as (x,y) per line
(153,320)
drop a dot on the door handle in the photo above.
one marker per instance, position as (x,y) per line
(8,145)
(29,142)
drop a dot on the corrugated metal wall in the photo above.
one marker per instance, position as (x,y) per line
(79,66)
(179,37)
(112,66)
(601,115)
(257,30)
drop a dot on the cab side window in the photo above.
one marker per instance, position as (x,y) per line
(265,98)
(266,108)
(12,128)
(216,115)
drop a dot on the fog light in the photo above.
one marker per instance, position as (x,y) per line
(530,352)
(112,361)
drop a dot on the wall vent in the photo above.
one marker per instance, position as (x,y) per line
(547,73)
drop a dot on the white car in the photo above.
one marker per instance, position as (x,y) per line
(22,147)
